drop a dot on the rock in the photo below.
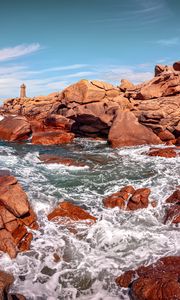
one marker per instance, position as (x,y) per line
(15,215)
(127,131)
(10,191)
(52,138)
(174,198)
(58,121)
(126,85)
(55,159)
(87,91)
(173,214)
(128,199)
(7,243)
(6,280)
(163,85)
(176,66)
(165,135)
(159,69)
(159,281)
(14,128)
(71,211)
(162,152)
(159,114)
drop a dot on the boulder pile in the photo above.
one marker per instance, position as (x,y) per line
(148,112)
(16,216)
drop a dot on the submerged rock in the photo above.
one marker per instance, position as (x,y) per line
(163,152)
(15,215)
(128,199)
(56,159)
(159,281)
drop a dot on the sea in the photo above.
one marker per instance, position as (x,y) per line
(90,259)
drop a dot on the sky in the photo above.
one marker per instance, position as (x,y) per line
(50,44)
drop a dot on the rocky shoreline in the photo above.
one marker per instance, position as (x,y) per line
(127,115)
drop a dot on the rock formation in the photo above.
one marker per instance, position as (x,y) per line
(149,112)
(159,281)
(128,198)
(15,216)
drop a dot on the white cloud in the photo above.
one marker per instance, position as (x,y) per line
(18,51)
(169,42)
(114,74)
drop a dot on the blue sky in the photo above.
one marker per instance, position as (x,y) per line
(49,44)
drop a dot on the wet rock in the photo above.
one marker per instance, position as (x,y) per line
(127,131)
(174,198)
(55,159)
(14,128)
(162,152)
(52,138)
(71,211)
(128,199)
(15,215)
(6,280)
(159,281)
(173,214)
(166,135)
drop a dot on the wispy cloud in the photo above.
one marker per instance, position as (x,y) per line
(18,51)
(169,42)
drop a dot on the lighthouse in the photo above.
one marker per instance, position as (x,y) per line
(23,91)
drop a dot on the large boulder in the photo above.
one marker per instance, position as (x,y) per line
(15,215)
(173,212)
(14,128)
(127,131)
(159,281)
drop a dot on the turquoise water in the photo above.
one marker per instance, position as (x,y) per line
(118,241)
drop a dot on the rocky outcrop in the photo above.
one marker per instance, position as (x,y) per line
(14,128)
(56,159)
(6,280)
(159,281)
(164,152)
(127,131)
(128,199)
(173,212)
(97,109)
(70,211)
(15,216)
(159,114)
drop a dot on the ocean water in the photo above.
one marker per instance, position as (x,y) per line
(91,259)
